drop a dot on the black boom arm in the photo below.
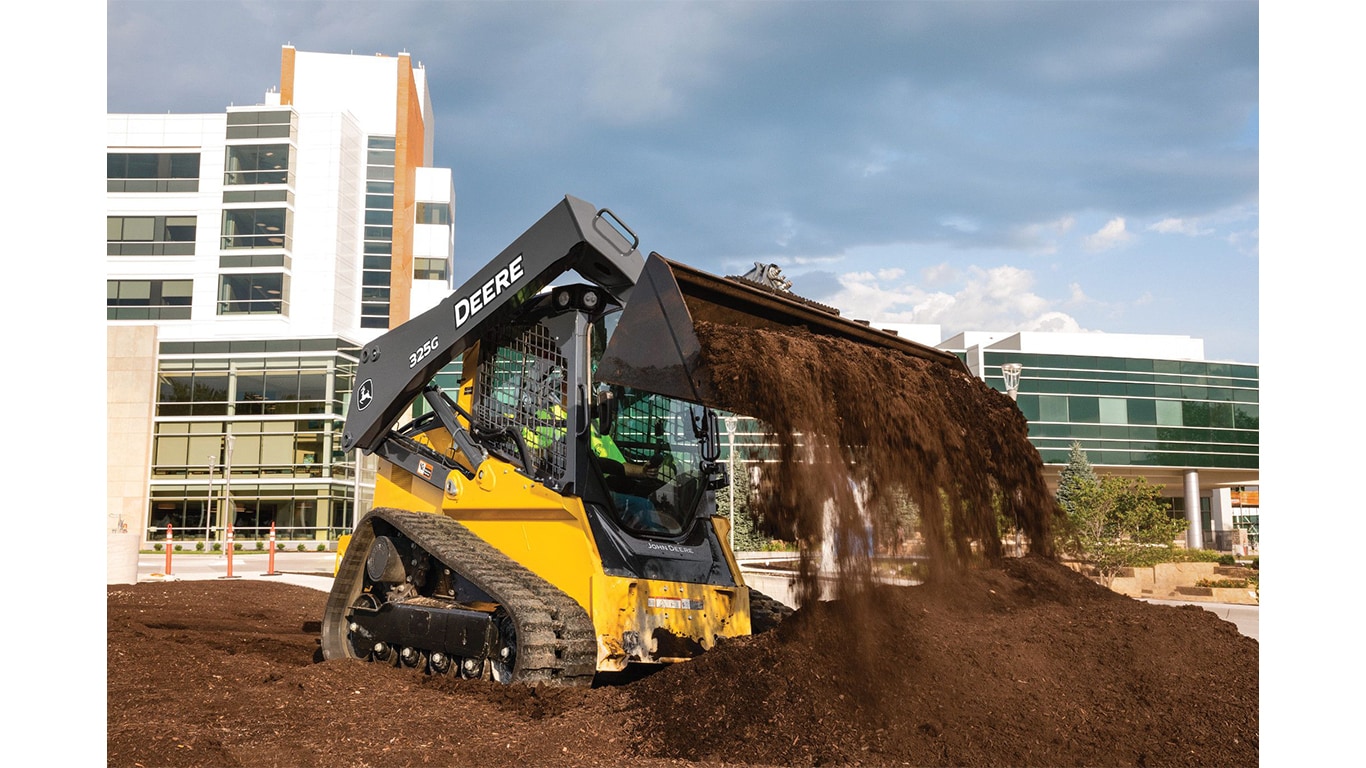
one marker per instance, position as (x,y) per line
(574,235)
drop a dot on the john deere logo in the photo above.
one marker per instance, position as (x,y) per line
(365,394)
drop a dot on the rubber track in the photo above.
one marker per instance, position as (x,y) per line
(556,641)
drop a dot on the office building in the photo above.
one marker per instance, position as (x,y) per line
(250,253)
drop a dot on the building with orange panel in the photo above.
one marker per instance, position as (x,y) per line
(250,253)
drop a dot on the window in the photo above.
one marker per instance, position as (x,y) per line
(1142,412)
(192,392)
(378,231)
(180,446)
(257,228)
(429,269)
(1085,410)
(153,172)
(434,213)
(254,294)
(1114,410)
(148,299)
(1169,413)
(150,235)
(257,164)
(273,124)
(1052,408)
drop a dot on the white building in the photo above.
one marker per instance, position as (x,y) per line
(250,252)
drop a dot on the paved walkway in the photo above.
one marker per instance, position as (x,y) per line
(305,569)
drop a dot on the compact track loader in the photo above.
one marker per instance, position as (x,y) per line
(554,519)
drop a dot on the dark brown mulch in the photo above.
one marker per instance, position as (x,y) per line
(1030,665)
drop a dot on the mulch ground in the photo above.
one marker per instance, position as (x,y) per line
(1029,665)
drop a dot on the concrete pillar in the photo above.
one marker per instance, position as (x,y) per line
(1221,509)
(131,378)
(1194,537)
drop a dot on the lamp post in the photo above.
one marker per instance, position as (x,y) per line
(227,482)
(731,422)
(208,505)
(1011,372)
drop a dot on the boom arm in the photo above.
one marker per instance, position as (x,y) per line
(574,235)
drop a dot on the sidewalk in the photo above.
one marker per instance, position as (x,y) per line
(305,569)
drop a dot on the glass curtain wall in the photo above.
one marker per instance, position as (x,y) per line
(248,433)
(1137,412)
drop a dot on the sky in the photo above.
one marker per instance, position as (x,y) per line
(1003,166)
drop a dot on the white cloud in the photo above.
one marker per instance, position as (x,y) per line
(939,274)
(1109,236)
(1077,295)
(998,298)
(1053,322)
(963,224)
(1173,226)
(1041,237)
(1248,242)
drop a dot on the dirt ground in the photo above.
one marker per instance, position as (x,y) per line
(1027,665)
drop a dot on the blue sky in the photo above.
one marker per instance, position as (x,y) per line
(1079,166)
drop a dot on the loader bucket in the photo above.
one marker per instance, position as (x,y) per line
(656,348)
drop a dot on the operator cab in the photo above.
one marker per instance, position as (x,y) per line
(647,448)
(639,455)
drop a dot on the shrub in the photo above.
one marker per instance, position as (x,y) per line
(218,546)
(1199,556)
(199,546)
(299,548)
(260,545)
(1223,583)
(279,546)
(322,547)
(1225,560)
(157,546)
(178,547)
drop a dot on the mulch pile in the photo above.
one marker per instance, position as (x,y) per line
(1026,665)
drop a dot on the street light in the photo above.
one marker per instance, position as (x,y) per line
(1011,371)
(227,481)
(731,421)
(208,504)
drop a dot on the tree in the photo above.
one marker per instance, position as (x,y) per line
(747,536)
(1113,522)
(1075,478)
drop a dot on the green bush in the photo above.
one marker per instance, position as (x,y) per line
(279,546)
(299,548)
(178,547)
(157,546)
(218,546)
(260,545)
(1223,583)
(322,547)
(1198,556)
(199,546)
(1226,560)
